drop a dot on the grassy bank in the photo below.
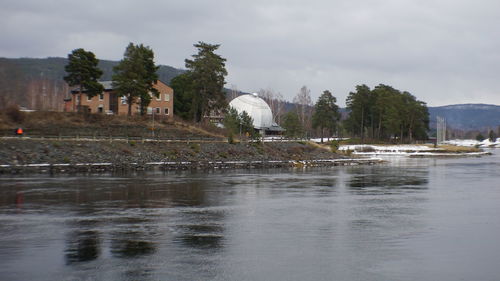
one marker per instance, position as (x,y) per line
(68,124)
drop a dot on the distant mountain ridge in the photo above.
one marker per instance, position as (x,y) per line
(467,116)
(53,68)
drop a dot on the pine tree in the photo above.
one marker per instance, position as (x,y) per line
(247,127)
(232,121)
(183,88)
(386,113)
(326,113)
(135,76)
(207,71)
(83,72)
(292,125)
(360,104)
(479,137)
(492,136)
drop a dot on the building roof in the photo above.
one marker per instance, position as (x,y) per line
(258,109)
(108,86)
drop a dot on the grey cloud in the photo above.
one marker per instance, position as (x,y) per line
(441,51)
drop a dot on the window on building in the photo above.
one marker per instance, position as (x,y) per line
(150,110)
(167,97)
(124,100)
(157,110)
(89,98)
(166,110)
(100,109)
(158,98)
(101,96)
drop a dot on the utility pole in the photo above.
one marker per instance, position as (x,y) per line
(153,128)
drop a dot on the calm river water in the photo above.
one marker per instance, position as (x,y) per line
(412,219)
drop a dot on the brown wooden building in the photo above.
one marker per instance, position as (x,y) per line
(108,102)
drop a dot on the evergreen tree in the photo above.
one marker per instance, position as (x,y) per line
(207,71)
(183,88)
(237,124)
(386,113)
(232,121)
(479,137)
(359,103)
(135,76)
(247,127)
(326,113)
(492,137)
(292,125)
(83,72)
(415,116)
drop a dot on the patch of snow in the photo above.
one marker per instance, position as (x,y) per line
(386,148)
(418,154)
(413,150)
(470,143)
(37,165)
(318,140)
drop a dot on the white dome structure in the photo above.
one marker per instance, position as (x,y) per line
(257,108)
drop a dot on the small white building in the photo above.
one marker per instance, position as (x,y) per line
(260,112)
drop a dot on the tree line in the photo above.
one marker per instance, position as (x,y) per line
(199,90)
(381,113)
(385,113)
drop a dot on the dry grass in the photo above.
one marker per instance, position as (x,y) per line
(69,123)
(323,146)
(458,149)
(5,123)
(208,129)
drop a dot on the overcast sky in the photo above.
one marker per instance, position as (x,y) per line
(443,52)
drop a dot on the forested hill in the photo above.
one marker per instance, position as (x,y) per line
(467,116)
(26,80)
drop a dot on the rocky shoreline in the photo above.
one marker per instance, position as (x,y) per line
(167,166)
(25,155)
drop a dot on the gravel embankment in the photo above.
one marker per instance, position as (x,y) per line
(15,154)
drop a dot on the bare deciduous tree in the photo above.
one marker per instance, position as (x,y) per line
(275,101)
(303,104)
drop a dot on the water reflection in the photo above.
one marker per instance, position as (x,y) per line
(131,245)
(388,178)
(82,246)
(199,241)
(340,223)
(187,195)
(386,208)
